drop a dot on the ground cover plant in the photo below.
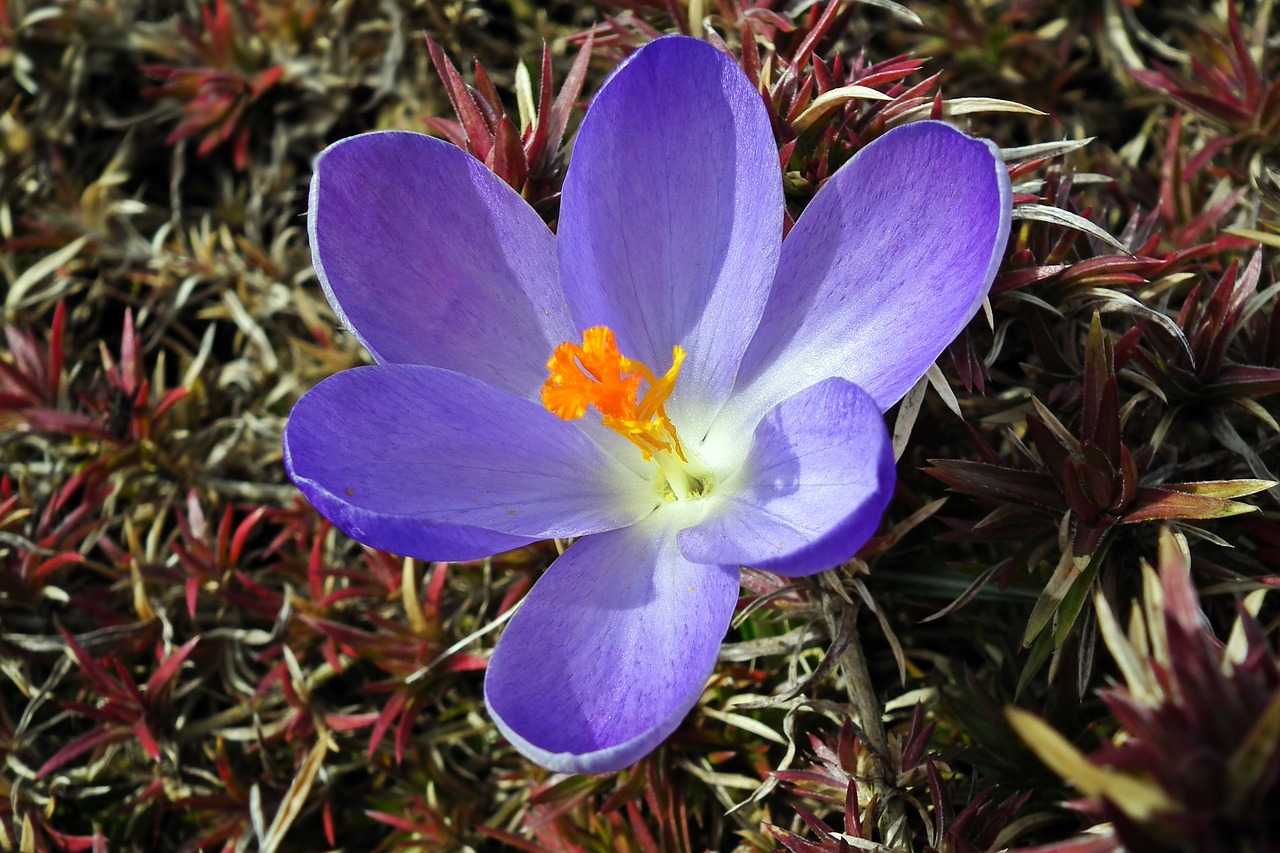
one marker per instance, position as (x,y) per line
(1061,636)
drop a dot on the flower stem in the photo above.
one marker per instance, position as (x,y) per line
(869,711)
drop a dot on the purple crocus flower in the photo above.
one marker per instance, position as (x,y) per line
(665,377)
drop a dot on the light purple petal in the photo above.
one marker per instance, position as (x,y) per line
(428,258)
(609,650)
(884,268)
(814,485)
(672,216)
(421,461)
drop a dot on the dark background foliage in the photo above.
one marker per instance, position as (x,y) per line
(191,659)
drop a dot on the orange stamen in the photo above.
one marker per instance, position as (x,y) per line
(597,374)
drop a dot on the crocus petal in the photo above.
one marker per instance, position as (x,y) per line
(884,268)
(428,258)
(609,650)
(422,462)
(671,217)
(814,485)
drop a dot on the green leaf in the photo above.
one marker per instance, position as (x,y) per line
(1077,595)
(1064,577)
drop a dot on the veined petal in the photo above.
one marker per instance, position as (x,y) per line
(432,464)
(885,267)
(428,258)
(609,650)
(814,485)
(671,217)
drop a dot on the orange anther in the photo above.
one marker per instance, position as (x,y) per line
(597,374)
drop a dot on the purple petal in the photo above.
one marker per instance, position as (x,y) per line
(672,216)
(432,464)
(609,650)
(885,267)
(814,485)
(428,258)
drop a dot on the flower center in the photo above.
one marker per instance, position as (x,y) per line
(630,397)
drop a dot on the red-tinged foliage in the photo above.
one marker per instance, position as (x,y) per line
(530,160)
(216,96)
(1197,718)
(161,317)
(209,558)
(1087,481)
(36,374)
(1226,83)
(39,835)
(48,538)
(123,709)
(822,111)
(417,824)
(32,394)
(1077,492)
(837,776)
(1193,367)
(646,807)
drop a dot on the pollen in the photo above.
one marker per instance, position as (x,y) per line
(628,395)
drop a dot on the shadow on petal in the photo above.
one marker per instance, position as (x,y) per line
(814,485)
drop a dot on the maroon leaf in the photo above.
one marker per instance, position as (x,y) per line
(475,127)
(993,481)
(164,673)
(85,743)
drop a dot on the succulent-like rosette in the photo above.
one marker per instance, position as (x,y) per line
(665,377)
